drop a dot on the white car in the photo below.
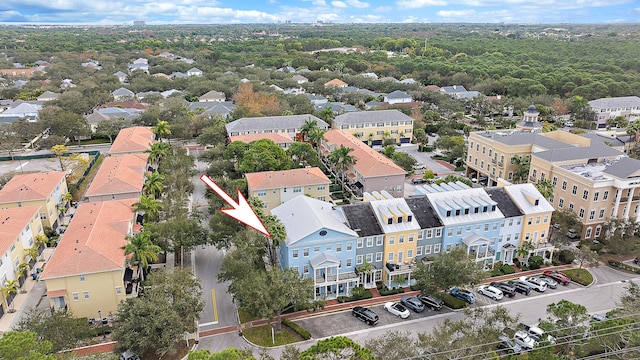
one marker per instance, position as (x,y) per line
(397,309)
(419,166)
(525,341)
(490,291)
(536,284)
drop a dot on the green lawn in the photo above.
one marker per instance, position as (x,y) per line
(244,317)
(581,276)
(261,335)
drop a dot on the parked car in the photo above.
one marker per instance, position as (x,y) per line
(418,181)
(490,291)
(431,302)
(365,314)
(419,166)
(129,355)
(463,295)
(397,309)
(558,276)
(572,234)
(509,345)
(598,317)
(413,303)
(535,283)
(552,284)
(507,290)
(520,287)
(537,334)
(525,341)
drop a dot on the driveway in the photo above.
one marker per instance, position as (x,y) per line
(425,158)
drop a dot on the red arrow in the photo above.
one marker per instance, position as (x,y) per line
(241,210)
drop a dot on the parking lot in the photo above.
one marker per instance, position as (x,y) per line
(343,322)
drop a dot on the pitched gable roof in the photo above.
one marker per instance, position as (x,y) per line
(369,162)
(336,82)
(302,216)
(373,116)
(276,123)
(286,178)
(133,139)
(278,138)
(119,174)
(93,241)
(122,92)
(12,222)
(27,187)
(213,95)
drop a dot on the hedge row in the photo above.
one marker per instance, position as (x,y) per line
(366,294)
(450,301)
(297,329)
(623,266)
(384,291)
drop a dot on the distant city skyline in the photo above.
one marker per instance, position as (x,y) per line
(152,12)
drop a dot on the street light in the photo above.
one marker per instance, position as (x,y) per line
(104,335)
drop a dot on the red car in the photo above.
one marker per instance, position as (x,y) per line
(558,276)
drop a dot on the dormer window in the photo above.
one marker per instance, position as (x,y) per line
(484,209)
(457,212)
(537,202)
(389,221)
(466,211)
(493,207)
(476,210)
(399,219)
(409,218)
(448,213)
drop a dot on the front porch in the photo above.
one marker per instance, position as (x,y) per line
(478,247)
(398,275)
(544,250)
(328,281)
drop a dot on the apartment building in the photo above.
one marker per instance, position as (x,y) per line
(137,139)
(374,126)
(18,229)
(274,188)
(372,171)
(45,190)
(280,139)
(86,272)
(289,124)
(608,108)
(119,177)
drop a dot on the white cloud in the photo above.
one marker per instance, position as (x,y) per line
(339,4)
(319,3)
(416,4)
(460,15)
(358,4)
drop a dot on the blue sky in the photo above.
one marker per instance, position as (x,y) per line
(337,11)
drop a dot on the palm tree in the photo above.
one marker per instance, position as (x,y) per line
(341,161)
(23,268)
(32,252)
(316,136)
(40,240)
(149,206)
(522,171)
(525,249)
(327,115)
(545,187)
(153,184)
(143,250)
(307,127)
(10,287)
(157,151)
(162,129)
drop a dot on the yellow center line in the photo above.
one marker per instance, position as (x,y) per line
(215,307)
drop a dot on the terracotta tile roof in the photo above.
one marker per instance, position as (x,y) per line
(26,187)
(56,293)
(370,163)
(119,174)
(336,82)
(133,139)
(286,178)
(12,222)
(93,241)
(278,138)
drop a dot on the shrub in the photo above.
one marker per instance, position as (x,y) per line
(623,266)
(566,256)
(581,276)
(535,262)
(507,269)
(297,329)
(385,291)
(597,247)
(450,301)
(357,293)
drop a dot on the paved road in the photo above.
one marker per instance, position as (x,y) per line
(597,298)
(424,158)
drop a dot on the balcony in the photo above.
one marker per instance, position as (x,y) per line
(501,164)
(494,161)
(334,278)
(532,178)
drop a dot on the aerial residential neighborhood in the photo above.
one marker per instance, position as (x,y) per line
(399,181)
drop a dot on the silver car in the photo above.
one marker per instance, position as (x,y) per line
(552,284)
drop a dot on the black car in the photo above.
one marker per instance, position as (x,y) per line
(431,302)
(507,289)
(418,181)
(412,303)
(520,287)
(366,315)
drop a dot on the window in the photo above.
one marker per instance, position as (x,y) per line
(486,227)
(529,221)
(561,203)
(436,248)
(571,206)
(592,214)
(588,233)
(574,190)
(596,195)
(328,248)
(316,249)
(76,296)
(510,222)
(409,254)
(429,234)
(546,219)
(598,229)
(305,252)
(459,231)
(438,232)
(349,262)
(554,181)
(295,268)
(305,269)
(369,242)
(564,185)
(295,254)
(392,240)
(338,248)
(605,195)
(448,248)
(510,176)
(585,194)
(379,256)
(359,260)
(390,257)
(262,192)
(349,246)
(538,220)
(359,243)
(427,249)
(450,232)
(86,295)
(411,238)
(321,187)
(369,257)
(297,189)
(379,240)
(81,278)
(581,212)
(401,239)
(601,215)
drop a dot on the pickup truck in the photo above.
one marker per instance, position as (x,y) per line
(536,333)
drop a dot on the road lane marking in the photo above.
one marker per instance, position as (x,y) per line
(215,307)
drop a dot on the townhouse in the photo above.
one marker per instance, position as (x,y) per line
(119,177)
(289,124)
(511,228)
(18,230)
(87,272)
(280,139)
(608,108)
(372,171)
(137,139)
(319,245)
(594,180)
(274,188)
(375,126)
(45,190)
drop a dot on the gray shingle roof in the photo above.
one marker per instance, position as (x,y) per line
(423,212)
(616,102)
(273,123)
(596,150)
(397,95)
(505,203)
(623,168)
(361,219)
(371,117)
(613,141)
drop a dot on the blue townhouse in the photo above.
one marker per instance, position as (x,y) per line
(511,227)
(319,245)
